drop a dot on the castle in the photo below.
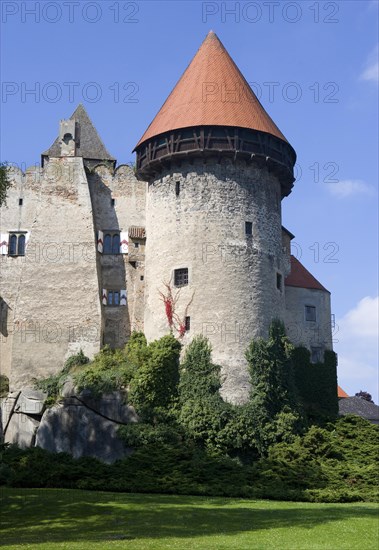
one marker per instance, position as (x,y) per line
(91,252)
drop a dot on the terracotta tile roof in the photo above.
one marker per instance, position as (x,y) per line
(211,92)
(341,392)
(301,277)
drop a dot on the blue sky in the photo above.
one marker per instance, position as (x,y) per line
(314,66)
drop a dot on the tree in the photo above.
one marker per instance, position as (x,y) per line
(365,395)
(274,402)
(5,183)
(202,411)
(205,417)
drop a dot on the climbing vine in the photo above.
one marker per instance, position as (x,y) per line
(176,323)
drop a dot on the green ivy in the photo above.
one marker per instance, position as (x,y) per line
(109,371)
(154,386)
(316,384)
(274,402)
(52,385)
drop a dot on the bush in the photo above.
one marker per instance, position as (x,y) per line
(154,386)
(52,385)
(333,464)
(75,361)
(338,463)
(109,371)
(139,435)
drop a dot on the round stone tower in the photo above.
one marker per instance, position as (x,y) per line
(217,168)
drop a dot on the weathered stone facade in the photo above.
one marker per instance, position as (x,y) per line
(51,292)
(315,335)
(221,220)
(232,276)
(88,251)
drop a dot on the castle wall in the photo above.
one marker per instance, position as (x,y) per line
(17,218)
(52,292)
(301,332)
(232,277)
(117,271)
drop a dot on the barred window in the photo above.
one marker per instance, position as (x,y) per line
(181,276)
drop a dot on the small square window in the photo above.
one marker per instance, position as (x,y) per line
(187,323)
(310,313)
(248,228)
(20,202)
(113,202)
(136,245)
(141,278)
(279,281)
(181,277)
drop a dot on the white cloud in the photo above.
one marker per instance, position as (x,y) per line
(357,347)
(371,71)
(348,188)
(363,319)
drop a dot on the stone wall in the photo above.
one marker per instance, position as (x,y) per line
(120,271)
(51,293)
(316,334)
(232,277)
(51,297)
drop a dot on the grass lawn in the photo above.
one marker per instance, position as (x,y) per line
(75,520)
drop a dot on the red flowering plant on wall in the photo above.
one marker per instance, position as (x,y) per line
(170,299)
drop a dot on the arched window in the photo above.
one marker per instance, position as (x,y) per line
(21,245)
(116,243)
(13,245)
(107,244)
(111,243)
(17,242)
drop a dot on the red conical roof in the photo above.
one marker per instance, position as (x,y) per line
(211,92)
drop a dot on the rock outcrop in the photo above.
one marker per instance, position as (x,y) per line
(79,423)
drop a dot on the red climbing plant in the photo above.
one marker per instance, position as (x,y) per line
(170,299)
